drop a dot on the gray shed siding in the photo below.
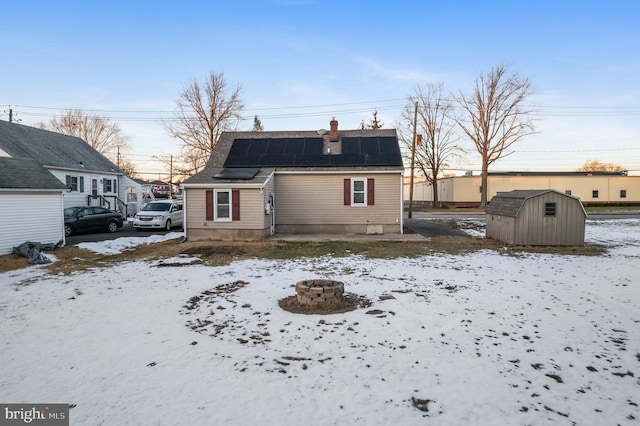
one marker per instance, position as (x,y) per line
(530,225)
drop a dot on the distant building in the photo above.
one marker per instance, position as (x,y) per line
(593,188)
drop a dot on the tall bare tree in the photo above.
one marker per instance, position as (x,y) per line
(599,166)
(436,124)
(204,112)
(495,116)
(99,132)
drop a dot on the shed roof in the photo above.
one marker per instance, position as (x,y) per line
(510,203)
(299,151)
(52,150)
(22,173)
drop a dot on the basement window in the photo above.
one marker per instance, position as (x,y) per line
(550,209)
(568,192)
(595,193)
(623,193)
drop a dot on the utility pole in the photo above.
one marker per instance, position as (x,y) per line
(10,115)
(118,157)
(413,158)
(171,177)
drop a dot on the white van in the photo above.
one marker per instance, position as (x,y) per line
(160,214)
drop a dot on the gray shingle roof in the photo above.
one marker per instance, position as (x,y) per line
(509,203)
(22,173)
(217,160)
(51,149)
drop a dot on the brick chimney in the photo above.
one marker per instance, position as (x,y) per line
(333,130)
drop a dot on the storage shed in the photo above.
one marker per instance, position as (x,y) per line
(536,218)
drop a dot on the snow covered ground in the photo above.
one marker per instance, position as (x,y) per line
(477,339)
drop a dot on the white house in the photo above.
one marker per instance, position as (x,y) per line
(31,201)
(89,177)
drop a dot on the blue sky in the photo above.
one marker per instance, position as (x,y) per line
(300,62)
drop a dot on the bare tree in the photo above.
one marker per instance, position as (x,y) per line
(495,116)
(598,166)
(128,167)
(204,112)
(99,132)
(436,124)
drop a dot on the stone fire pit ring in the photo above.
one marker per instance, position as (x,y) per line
(319,293)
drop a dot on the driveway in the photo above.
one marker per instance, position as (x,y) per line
(126,230)
(428,228)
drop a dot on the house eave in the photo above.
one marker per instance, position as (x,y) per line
(83,170)
(32,190)
(215,185)
(337,172)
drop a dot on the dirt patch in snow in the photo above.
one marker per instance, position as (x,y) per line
(350,302)
(71,258)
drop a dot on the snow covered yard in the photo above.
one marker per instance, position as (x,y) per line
(481,339)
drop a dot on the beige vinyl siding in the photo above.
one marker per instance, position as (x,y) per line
(30,216)
(317,199)
(251,210)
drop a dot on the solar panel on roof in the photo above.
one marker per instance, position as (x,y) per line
(313,146)
(388,145)
(294,146)
(258,147)
(312,160)
(277,160)
(237,173)
(276,146)
(351,145)
(369,146)
(307,152)
(239,147)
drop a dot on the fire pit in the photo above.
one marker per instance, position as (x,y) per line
(319,293)
(322,297)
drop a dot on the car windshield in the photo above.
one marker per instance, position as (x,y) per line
(70,211)
(156,207)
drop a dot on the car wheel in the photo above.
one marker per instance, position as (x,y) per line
(167,225)
(112,226)
(67,230)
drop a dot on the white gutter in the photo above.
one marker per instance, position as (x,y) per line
(222,185)
(336,172)
(184,212)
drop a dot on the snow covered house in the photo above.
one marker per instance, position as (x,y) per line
(89,177)
(536,218)
(256,184)
(31,201)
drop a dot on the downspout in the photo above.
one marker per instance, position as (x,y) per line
(401,204)
(64,237)
(184,213)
